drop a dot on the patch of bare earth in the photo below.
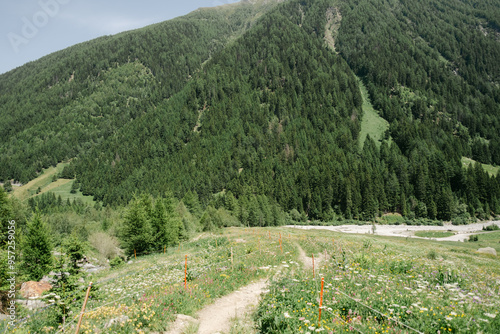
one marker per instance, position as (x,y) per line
(216,318)
(224,313)
(334,18)
(308,261)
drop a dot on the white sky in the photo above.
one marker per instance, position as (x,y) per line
(30,29)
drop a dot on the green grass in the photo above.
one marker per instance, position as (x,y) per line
(434,234)
(492,170)
(46,184)
(391,219)
(63,189)
(369,281)
(42,181)
(372,123)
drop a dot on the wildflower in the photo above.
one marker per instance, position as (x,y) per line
(287,315)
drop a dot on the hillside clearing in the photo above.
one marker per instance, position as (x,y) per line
(372,123)
(492,170)
(45,183)
(43,180)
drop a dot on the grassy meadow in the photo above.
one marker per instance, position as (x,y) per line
(48,181)
(434,234)
(372,123)
(492,170)
(372,284)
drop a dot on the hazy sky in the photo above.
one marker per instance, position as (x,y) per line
(30,29)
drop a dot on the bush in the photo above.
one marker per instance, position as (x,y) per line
(295,215)
(432,255)
(105,244)
(116,261)
(492,227)
(459,221)
(473,238)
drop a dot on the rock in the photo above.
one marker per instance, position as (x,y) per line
(119,320)
(180,324)
(487,250)
(31,304)
(33,289)
(90,268)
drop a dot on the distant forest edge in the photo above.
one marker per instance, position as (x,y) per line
(246,106)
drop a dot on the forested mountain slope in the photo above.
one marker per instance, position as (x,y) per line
(222,100)
(61,105)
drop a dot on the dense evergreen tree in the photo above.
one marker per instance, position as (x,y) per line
(137,231)
(36,249)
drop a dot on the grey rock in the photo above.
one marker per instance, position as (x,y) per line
(118,320)
(487,250)
(31,304)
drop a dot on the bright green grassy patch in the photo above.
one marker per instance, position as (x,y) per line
(434,234)
(492,170)
(485,239)
(63,188)
(46,184)
(391,219)
(372,124)
(43,180)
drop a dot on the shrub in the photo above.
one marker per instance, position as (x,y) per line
(473,238)
(432,254)
(116,261)
(105,244)
(492,227)
(459,221)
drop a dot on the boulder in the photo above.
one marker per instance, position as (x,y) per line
(180,324)
(33,289)
(32,304)
(121,319)
(487,250)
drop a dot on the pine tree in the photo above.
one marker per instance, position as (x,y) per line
(37,249)
(137,232)
(165,222)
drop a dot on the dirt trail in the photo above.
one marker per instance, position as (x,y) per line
(215,318)
(307,261)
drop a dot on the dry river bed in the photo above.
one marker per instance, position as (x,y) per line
(462,232)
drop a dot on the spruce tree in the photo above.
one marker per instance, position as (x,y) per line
(37,249)
(137,233)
